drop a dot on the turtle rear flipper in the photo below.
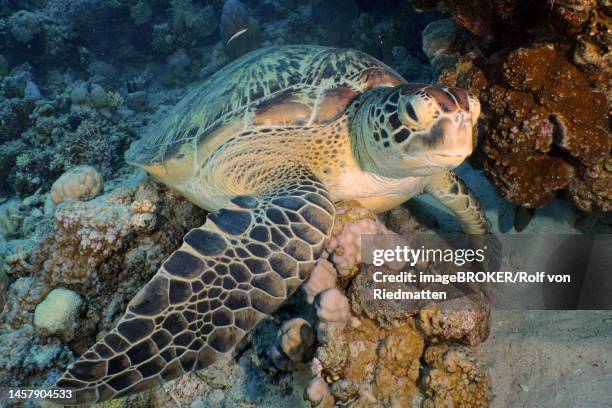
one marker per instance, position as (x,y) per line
(226,276)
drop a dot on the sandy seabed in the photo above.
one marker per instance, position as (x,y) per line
(550,358)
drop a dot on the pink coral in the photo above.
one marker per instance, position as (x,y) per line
(351,223)
(332,311)
(322,277)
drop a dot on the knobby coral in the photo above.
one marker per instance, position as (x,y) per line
(541,71)
(81,183)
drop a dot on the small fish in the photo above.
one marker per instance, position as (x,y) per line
(381,48)
(235,35)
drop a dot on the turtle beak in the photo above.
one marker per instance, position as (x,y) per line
(445,160)
(449,142)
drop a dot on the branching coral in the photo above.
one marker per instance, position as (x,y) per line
(44,137)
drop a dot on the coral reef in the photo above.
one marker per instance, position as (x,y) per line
(544,87)
(100,242)
(72,282)
(45,137)
(79,79)
(455,377)
(370,352)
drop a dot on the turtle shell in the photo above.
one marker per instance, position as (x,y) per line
(274,86)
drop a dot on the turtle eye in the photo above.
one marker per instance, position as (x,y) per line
(411,112)
(418,111)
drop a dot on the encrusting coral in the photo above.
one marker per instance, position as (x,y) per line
(464,320)
(87,235)
(545,120)
(540,73)
(455,378)
(97,243)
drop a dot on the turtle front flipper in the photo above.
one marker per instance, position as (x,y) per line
(226,276)
(457,197)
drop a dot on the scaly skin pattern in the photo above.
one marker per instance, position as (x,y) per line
(456,196)
(269,144)
(226,276)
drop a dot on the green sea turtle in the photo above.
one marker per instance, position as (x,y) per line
(268,144)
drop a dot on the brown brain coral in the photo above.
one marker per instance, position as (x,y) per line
(79,183)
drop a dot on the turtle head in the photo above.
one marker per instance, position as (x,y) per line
(416,129)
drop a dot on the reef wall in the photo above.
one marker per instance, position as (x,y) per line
(541,70)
